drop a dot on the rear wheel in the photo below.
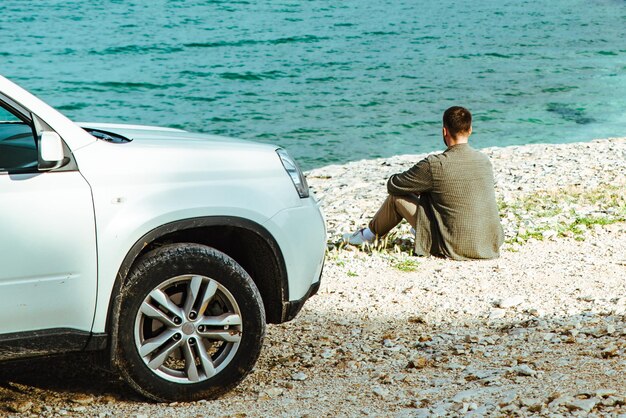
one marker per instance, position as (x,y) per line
(191,325)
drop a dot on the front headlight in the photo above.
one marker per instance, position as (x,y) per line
(294,172)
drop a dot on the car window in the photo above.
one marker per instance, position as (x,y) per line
(18,145)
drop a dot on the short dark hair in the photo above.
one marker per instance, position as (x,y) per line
(458,120)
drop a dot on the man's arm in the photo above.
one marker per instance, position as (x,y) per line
(417,179)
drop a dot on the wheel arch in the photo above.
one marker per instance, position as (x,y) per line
(247,242)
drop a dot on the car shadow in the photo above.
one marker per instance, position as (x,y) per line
(61,378)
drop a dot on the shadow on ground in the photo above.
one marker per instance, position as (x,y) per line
(60,378)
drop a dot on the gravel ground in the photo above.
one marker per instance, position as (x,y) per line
(539,331)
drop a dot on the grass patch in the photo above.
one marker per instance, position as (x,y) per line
(406,264)
(568,212)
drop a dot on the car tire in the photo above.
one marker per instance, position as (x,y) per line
(191,324)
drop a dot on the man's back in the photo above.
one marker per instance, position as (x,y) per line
(463,203)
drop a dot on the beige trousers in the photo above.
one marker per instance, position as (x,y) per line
(416,211)
(392,211)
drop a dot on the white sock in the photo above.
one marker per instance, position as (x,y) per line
(368,234)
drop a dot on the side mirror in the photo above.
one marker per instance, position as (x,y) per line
(51,153)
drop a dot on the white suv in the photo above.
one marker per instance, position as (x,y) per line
(169,250)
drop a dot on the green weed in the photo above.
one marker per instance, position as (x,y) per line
(406,264)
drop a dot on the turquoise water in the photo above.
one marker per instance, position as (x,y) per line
(332,81)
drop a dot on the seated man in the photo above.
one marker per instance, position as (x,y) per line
(448,198)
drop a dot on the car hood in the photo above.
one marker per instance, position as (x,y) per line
(162,155)
(143,135)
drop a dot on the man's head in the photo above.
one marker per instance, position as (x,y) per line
(457,125)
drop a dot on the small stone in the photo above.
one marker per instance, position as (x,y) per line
(497,313)
(558,401)
(82,399)
(327,353)
(507,398)
(533,405)
(299,376)
(585,405)
(19,406)
(553,396)
(388,343)
(454,366)
(417,362)
(468,395)
(380,392)
(603,393)
(524,370)
(417,319)
(510,302)
(609,351)
(420,413)
(274,392)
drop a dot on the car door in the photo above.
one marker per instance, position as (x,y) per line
(47,237)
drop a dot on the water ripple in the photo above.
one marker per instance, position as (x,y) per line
(246,42)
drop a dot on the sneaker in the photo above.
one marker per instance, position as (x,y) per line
(356,238)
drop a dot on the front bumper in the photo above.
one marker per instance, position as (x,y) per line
(300,233)
(293,307)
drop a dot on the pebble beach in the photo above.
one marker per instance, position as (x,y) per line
(540,331)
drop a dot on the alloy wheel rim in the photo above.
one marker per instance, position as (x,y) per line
(188,329)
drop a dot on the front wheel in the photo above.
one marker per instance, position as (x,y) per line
(191,325)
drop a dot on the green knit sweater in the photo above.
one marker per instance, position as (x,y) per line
(458,215)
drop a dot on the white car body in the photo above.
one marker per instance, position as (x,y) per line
(67,233)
